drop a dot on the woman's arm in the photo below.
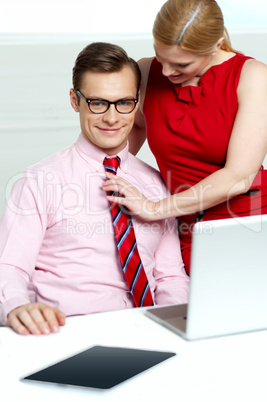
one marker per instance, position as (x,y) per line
(246,151)
(137,135)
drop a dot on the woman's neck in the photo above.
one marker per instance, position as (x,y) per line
(220,57)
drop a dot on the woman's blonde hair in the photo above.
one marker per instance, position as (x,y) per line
(195,25)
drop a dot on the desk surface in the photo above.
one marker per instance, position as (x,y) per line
(231,368)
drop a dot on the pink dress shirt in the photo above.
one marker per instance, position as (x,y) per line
(57,241)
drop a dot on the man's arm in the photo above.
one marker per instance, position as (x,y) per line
(172,282)
(18,312)
(22,229)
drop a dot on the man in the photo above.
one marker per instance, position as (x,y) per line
(58,254)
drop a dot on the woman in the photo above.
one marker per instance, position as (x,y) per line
(203,108)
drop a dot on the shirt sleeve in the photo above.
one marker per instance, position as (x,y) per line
(172,282)
(21,233)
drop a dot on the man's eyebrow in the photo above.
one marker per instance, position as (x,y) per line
(129,97)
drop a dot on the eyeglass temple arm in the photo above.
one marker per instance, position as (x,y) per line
(80,94)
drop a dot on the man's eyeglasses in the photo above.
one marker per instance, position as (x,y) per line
(99,106)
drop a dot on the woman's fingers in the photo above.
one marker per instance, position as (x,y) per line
(131,198)
(117,184)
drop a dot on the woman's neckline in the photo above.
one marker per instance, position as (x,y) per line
(209,70)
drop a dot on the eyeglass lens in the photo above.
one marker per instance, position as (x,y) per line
(122,106)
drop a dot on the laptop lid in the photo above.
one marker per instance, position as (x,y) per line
(228,279)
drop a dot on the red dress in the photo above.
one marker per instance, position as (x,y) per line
(188,130)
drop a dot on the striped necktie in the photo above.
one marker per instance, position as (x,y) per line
(127,247)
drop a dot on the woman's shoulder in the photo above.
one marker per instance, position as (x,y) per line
(253,81)
(254,72)
(252,66)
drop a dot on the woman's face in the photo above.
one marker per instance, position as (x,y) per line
(180,65)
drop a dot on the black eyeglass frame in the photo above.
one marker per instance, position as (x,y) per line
(108,102)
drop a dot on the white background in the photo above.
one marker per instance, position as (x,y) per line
(113,16)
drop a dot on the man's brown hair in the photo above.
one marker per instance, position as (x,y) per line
(102,57)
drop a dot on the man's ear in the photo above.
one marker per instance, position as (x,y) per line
(74,100)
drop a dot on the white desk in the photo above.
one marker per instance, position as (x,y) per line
(232,368)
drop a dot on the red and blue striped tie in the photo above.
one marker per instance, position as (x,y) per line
(127,247)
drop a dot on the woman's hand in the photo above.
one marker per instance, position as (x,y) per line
(131,198)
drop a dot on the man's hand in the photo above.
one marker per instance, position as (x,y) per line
(36,319)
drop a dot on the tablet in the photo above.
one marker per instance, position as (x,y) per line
(100,367)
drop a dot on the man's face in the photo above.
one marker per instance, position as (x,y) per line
(108,131)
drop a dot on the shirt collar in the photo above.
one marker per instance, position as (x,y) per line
(94,156)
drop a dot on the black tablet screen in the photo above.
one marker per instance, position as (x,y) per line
(100,367)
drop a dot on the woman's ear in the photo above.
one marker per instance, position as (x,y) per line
(218,45)
(74,100)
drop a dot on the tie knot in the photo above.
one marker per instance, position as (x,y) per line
(111,164)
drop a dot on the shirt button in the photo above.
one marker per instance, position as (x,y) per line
(128,295)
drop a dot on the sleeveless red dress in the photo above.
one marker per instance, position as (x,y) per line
(188,130)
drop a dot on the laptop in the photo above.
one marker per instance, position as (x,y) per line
(228,289)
